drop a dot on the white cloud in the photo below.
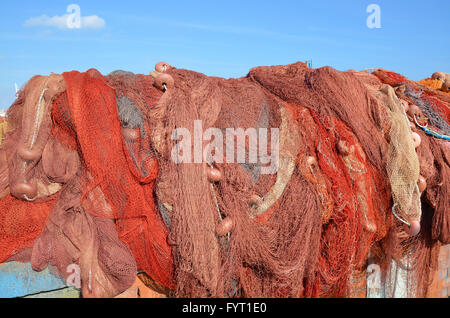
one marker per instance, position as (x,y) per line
(61,22)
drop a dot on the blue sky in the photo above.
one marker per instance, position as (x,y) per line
(221,38)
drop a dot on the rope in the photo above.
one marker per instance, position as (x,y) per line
(399,218)
(28,199)
(36,119)
(35,131)
(36,125)
(431,132)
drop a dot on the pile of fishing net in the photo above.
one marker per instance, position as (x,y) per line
(432,83)
(89,178)
(438,81)
(103,210)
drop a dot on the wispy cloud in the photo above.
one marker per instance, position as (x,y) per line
(229,29)
(313,37)
(61,22)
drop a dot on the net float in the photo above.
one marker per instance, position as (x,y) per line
(400,89)
(162,67)
(422,184)
(54,87)
(446,86)
(311,162)
(225,227)
(94,73)
(417,139)
(214,175)
(255,200)
(29,154)
(164,81)
(344,148)
(24,190)
(413,110)
(439,76)
(414,228)
(131,134)
(405,105)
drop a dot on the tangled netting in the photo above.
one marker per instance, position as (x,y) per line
(433,152)
(105,208)
(417,257)
(424,102)
(402,164)
(88,177)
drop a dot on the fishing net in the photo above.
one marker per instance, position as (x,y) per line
(127,188)
(425,104)
(94,204)
(403,164)
(356,220)
(20,222)
(112,199)
(268,256)
(414,260)
(437,100)
(432,83)
(433,152)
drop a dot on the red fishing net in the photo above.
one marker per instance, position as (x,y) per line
(104,184)
(93,109)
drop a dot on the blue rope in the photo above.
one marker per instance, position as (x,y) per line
(431,132)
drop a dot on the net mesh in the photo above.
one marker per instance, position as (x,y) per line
(403,164)
(111,199)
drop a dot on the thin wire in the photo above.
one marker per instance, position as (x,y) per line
(399,218)
(28,199)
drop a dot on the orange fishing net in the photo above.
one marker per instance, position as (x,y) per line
(20,224)
(431,83)
(92,105)
(107,185)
